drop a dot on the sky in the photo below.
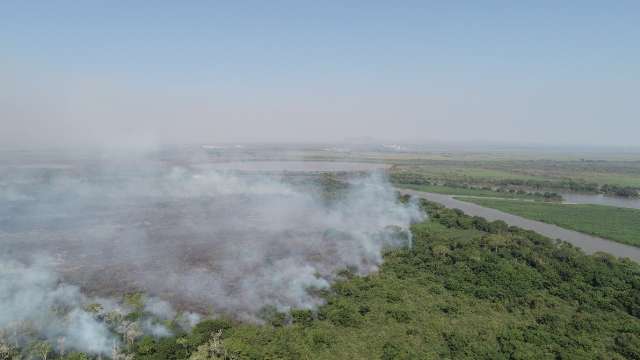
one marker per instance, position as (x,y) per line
(129,72)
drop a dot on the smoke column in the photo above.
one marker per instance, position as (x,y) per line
(208,240)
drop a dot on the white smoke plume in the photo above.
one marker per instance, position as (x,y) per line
(203,239)
(32,299)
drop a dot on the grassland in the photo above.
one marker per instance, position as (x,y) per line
(456,171)
(618,224)
(606,172)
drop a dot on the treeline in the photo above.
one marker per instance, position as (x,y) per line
(566,184)
(536,187)
(623,191)
(574,186)
(498,186)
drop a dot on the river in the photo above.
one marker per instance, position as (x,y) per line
(589,244)
(599,199)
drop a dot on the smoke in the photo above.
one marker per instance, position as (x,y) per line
(201,239)
(32,299)
(37,304)
(293,243)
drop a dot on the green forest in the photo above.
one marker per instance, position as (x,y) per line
(466,289)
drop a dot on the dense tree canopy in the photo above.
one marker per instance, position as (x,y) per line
(467,289)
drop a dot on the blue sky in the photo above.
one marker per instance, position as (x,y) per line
(196,71)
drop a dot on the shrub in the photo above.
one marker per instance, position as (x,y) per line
(272,316)
(343,315)
(203,331)
(302,317)
(399,315)
(321,339)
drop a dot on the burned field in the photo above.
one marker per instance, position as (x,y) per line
(210,241)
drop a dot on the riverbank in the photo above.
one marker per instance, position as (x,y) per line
(618,224)
(588,243)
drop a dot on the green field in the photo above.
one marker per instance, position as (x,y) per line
(619,224)
(620,173)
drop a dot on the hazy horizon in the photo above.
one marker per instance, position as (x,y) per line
(319,180)
(115,74)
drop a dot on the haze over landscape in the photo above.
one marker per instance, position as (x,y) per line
(319,180)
